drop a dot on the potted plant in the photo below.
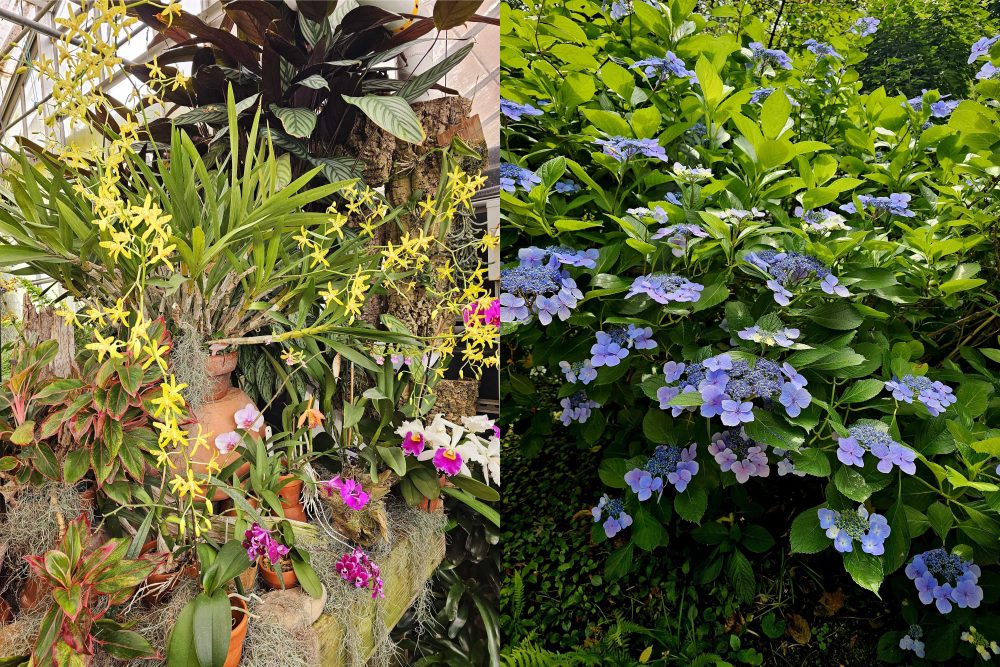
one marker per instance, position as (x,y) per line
(281,563)
(210,629)
(85,584)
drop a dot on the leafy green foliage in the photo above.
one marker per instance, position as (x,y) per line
(916,302)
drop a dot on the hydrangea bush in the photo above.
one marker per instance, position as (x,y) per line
(741,263)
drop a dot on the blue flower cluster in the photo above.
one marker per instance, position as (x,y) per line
(863,438)
(566,187)
(871,530)
(784,337)
(940,109)
(623,149)
(539,285)
(512,177)
(982,49)
(759,95)
(581,371)
(516,111)
(821,220)
(577,408)
(555,254)
(613,346)
(773,57)
(665,287)
(945,579)
(790,269)
(728,388)
(821,49)
(678,236)
(669,463)
(896,203)
(618,519)
(665,67)
(912,641)
(936,396)
(865,26)
(738,454)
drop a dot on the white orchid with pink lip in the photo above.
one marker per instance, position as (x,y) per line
(228,441)
(249,418)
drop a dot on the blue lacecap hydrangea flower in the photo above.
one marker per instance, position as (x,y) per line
(540,286)
(516,111)
(945,579)
(613,345)
(738,454)
(678,236)
(566,187)
(581,371)
(821,49)
(513,177)
(940,109)
(784,337)
(846,527)
(897,204)
(911,641)
(863,438)
(936,396)
(623,149)
(987,71)
(865,26)
(792,269)
(728,387)
(665,287)
(657,213)
(821,219)
(617,518)
(669,464)
(759,95)
(664,68)
(982,48)
(577,408)
(774,57)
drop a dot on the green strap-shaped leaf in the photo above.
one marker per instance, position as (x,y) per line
(421,83)
(297,122)
(392,114)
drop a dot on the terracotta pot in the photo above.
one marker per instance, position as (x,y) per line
(239,633)
(32,593)
(231,511)
(291,498)
(434,504)
(167,579)
(271,577)
(216,416)
(6,615)
(248,577)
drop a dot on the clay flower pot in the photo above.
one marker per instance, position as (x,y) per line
(165,581)
(248,577)
(216,416)
(6,615)
(434,504)
(32,593)
(291,498)
(239,633)
(271,577)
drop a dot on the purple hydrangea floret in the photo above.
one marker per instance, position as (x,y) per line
(617,519)
(896,204)
(516,111)
(936,396)
(577,408)
(539,285)
(862,438)
(670,464)
(821,49)
(846,527)
(623,149)
(790,270)
(581,371)
(665,287)
(738,454)
(945,579)
(865,26)
(773,57)
(513,177)
(664,68)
